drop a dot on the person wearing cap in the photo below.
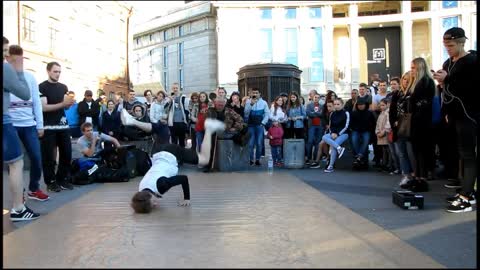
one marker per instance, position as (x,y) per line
(361,125)
(456,81)
(89,110)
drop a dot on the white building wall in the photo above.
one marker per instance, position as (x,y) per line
(199,50)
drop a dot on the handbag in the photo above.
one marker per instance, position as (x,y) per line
(404,125)
(390,136)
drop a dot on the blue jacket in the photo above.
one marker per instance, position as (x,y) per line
(295,112)
(312,114)
(73,118)
(257,114)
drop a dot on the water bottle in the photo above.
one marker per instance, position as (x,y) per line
(270,164)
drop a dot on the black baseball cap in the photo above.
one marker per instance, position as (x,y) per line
(454,33)
(361,101)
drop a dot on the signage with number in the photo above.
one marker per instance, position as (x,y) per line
(379,54)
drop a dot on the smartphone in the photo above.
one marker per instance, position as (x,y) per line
(173,94)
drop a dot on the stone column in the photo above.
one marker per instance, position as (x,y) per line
(354,46)
(436,43)
(328,47)
(407,45)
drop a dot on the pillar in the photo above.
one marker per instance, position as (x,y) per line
(328,44)
(407,45)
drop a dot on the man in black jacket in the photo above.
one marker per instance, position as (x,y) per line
(457,80)
(89,110)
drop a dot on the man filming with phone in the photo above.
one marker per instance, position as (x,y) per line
(256,115)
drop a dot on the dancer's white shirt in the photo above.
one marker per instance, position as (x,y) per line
(163,164)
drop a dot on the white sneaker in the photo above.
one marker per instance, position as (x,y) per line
(340,150)
(404,180)
(214,125)
(126,118)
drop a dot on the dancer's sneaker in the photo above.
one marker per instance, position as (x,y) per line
(126,118)
(214,125)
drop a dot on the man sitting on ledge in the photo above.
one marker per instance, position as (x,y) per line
(90,143)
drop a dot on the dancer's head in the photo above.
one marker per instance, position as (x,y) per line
(142,202)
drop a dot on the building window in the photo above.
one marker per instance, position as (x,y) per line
(266,45)
(28,23)
(180,31)
(52,33)
(165,35)
(165,80)
(165,57)
(448,23)
(315,12)
(180,78)
(449,4)
(291,46)
(180,53)
(317,72)
(290,13)
(266,13)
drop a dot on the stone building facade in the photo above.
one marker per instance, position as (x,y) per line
(179,47)
(89,41)
(337,44)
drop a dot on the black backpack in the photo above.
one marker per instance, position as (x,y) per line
(121,157)
(143,161)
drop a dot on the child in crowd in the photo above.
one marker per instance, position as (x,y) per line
(159,108)
(201,115)
(337,132)
(275,134)
(382,129)
(295,113)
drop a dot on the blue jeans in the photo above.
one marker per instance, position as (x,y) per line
(256,139)
(394,162)
(12,150)
(199,137)
(276,152)
(314,137)
(405,155)
(334,144)
(360,142)
(29,138)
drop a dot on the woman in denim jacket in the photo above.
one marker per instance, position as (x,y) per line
(295,115)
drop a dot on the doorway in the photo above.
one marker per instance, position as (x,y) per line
(382,53)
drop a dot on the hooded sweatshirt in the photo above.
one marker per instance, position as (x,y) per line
(460,82)
(362,120)
(164,164)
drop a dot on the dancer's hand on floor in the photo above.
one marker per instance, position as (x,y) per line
(184,203)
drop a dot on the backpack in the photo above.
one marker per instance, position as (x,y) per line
(143,161)
(121,157)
